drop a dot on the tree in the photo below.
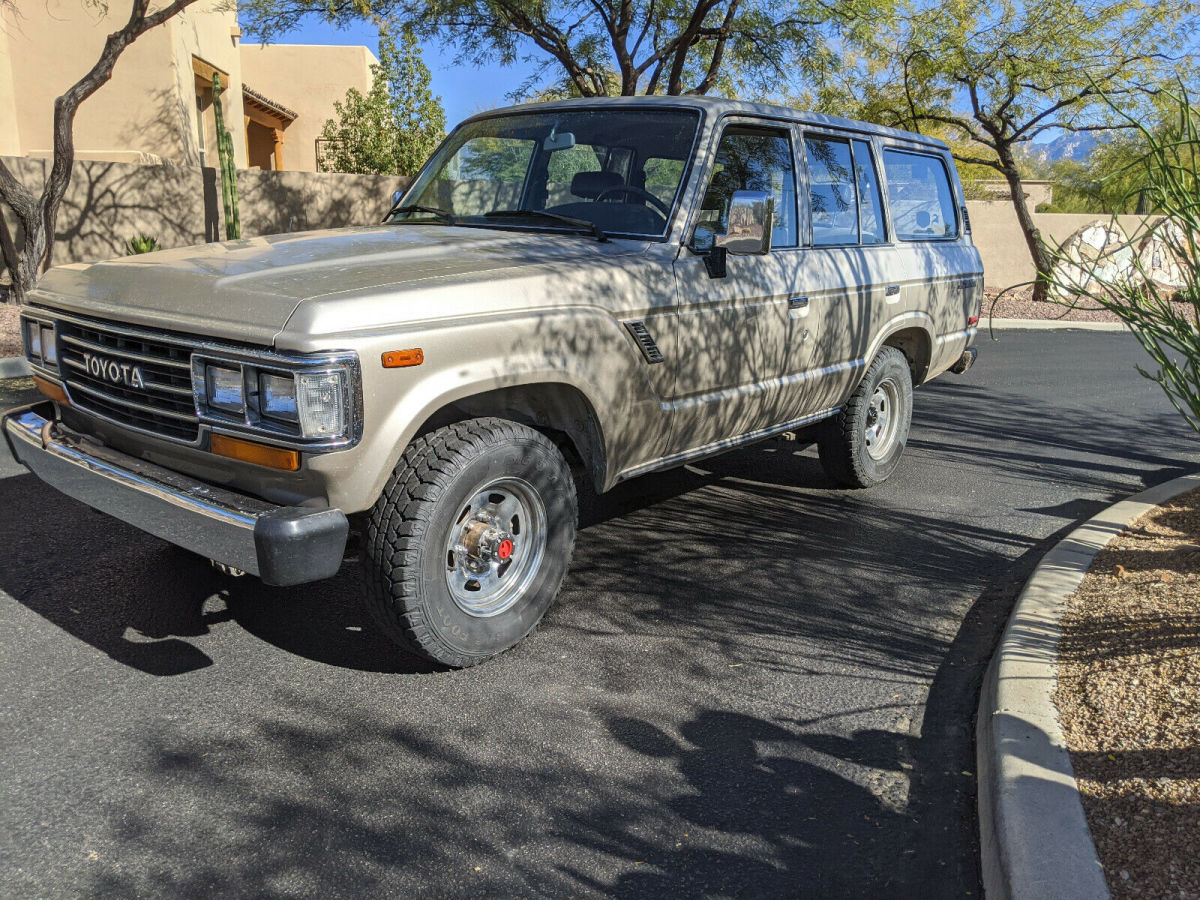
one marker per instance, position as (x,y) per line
(999,74)
(1162,316)
(396,125)
(650,46)
(38,215)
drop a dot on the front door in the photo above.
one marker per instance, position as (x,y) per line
(729,339)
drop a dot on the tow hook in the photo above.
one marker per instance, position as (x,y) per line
(965,361)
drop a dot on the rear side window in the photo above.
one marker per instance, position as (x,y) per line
(919,195)
(843,192)
(870,203)
(831,194)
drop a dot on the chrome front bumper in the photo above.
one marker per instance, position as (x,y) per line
(283,545)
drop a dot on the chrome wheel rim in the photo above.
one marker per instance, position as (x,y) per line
(495,546)
(883,419)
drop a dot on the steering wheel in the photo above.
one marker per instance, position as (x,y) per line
(638,192)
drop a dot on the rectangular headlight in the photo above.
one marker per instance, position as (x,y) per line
(33,340)
(49,346)
(320,404)
(277,397)
(225,390)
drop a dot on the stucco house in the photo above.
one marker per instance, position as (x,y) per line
(158,107)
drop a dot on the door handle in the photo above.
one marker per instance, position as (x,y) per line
(798,303)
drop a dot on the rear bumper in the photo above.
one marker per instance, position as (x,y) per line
(283,545)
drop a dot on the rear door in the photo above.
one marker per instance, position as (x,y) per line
(850,260)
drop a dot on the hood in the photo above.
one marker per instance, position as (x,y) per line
(246,290)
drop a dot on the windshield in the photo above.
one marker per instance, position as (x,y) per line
(613,172)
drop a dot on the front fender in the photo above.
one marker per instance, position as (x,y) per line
(586,350)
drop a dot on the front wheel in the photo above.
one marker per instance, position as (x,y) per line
(468,545)
(861,446)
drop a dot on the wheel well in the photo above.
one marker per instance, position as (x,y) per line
(915,345)
(559,411)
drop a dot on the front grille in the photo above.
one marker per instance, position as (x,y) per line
(163,405)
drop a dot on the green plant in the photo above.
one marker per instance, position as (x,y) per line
(142,243)
(229,191)
(396,125)
(1155,288)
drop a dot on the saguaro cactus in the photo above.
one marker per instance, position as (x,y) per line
(229,194)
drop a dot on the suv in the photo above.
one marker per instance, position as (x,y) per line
(586,290)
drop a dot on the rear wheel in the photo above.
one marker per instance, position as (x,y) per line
(468,545)
(862,445)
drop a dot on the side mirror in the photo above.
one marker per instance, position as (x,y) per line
(750,224)
(397,196)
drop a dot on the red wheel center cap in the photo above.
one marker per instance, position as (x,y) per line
(505,550)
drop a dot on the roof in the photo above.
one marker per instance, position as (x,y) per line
(267,105)
(720,106)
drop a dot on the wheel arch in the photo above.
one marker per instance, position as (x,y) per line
(558,409)
(912,336)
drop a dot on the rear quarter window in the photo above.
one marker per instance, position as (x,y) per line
(920,196)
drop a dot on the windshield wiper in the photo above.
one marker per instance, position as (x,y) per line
(582,224)
(446,217)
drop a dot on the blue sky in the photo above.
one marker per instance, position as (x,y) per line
(464,88)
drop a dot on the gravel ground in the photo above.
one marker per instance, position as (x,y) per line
(10,338)
(1019,304)
(1129,698)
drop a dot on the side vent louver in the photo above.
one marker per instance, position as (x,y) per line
(642,335)
(966,219)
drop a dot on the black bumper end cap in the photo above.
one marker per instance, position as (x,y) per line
(295,545)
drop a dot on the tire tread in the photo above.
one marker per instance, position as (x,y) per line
(398,522)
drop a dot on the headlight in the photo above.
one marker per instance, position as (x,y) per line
(277,397)
(320,404)
(40,347)
(33,339)
(225,390)
(305,402)
(49,346)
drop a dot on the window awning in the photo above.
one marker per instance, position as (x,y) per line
(266,111)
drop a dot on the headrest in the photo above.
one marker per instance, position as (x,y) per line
(591,185)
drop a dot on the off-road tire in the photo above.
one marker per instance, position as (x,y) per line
(843,440)
(404,549)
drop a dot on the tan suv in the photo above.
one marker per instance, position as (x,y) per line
(580,290)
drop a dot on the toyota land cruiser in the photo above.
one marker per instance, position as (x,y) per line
(590,289)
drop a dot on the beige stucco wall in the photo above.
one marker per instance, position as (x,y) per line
(307,79)
(148,106)
(107,203)
(10,135)
(1001,243)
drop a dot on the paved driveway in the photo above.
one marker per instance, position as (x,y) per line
(753,685)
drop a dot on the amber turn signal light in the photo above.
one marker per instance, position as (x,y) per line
(251,452)
(400,359)
(51,390)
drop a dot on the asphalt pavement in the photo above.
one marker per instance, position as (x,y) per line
(753,684)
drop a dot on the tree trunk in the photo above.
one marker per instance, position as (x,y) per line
(1033,237)
(38,216)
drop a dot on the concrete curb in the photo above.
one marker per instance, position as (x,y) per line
(14,367)
(1049,325)
(1033,834)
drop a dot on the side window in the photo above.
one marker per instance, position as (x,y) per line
(870,203)
(831,194)
(750,159)
(919,195)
